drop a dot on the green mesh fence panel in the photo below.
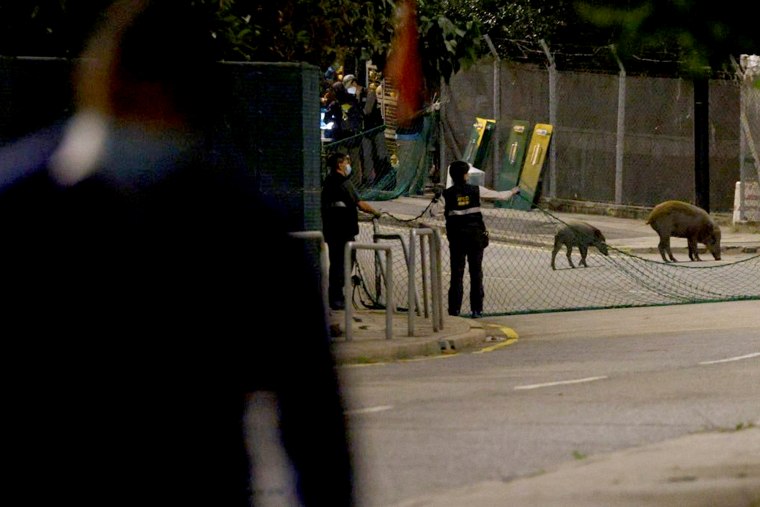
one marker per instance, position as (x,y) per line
(518,277)
(385,168)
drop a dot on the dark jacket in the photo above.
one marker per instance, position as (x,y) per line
(340,216)
(130,302)
(346,115)
(373,117)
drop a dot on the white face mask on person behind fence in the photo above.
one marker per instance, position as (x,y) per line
(352,90)
(348,170)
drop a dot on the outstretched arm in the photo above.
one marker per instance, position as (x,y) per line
(496,195)
(367,208)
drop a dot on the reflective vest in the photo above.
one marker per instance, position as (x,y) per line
(462,210)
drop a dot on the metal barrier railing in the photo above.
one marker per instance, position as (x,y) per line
(348,266)
(435,276)
(378,285)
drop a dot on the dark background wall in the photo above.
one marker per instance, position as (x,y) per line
(270,112)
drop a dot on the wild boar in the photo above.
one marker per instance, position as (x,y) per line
(580,234)
(683,220)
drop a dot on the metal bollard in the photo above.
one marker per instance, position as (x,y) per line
(350,247)
(434,259)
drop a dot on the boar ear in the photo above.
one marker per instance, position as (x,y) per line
(598,234)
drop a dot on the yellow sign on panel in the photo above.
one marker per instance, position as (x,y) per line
(530,176)
(480,137)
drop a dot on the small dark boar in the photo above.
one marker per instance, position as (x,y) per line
(580,234)
(683,220)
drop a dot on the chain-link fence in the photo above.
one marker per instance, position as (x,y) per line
(617,139)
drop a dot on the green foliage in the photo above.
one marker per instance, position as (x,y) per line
(449,41)
(704,34)
(323,32)
(528,20)
(313,31)
(320,32)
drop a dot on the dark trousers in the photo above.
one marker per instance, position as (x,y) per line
(336,277)
(472,253)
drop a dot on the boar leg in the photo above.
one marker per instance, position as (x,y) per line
(693,252)
(664,247)
(584,252)
(570,251)
(557,246)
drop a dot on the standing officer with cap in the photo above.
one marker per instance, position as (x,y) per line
(467,234)
(340,221)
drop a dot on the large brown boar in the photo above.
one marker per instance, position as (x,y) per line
(580,234)
(683,220)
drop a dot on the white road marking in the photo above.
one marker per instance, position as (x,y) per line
(369,410)
(560,383)
(729,359)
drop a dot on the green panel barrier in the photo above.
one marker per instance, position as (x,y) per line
(509,174)
(480,138)
(532,171)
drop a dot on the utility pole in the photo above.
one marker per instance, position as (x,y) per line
(702,140)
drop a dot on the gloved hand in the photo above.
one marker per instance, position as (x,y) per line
(437,192)
(377,214)
(516,190)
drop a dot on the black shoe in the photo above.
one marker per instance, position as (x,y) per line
(477,315)
(338,305)
(453,314)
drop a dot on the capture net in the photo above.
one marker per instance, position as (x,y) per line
(386,165)
(518,277)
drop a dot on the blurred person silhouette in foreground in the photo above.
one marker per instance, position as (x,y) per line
(142,275)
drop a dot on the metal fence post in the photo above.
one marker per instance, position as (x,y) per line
(434,261)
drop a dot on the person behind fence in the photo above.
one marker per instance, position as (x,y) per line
(346,115)
(132,285)
(467,234)
(375,158)
(340,221)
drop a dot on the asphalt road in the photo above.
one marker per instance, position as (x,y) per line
(575,384)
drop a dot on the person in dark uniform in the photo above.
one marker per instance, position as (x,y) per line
(340,221)
(467,235)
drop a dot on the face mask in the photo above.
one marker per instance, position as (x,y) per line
(348,170)
(352,90)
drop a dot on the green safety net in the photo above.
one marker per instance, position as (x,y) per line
(386,166)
